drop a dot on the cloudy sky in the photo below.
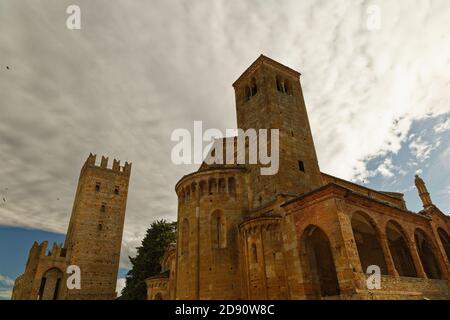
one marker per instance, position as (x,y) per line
(378,96)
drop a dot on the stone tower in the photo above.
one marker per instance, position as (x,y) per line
(92,242)
(423,192)
(269,96)
(94,235)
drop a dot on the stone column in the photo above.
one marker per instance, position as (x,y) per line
(392,271)
(440,259)
(350,275)
(416,259)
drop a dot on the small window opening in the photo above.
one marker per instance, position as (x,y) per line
(283,85)
(287,87)
(253,88)
(301,166)
(279,87)
(103,208)
(97,187)
(254,253)
(116,190)
(248,93)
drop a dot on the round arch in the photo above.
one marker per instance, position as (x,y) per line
(318,262)
(50,284)
(425,248)
(399,248)
(218,229)
(367,238)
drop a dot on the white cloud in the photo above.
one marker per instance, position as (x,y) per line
(120,286)
(442,127)
(5,294)
(386,168)
(422,149)
(6,286)
(6,281)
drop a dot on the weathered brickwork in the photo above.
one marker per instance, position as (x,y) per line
(301,233)
(92,242)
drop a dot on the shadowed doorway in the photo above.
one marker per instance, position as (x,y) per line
(320,263)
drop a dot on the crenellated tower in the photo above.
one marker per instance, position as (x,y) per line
(92,242)
(95,230)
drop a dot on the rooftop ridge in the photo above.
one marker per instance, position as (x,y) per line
(264,59)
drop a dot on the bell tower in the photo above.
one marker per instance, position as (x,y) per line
(269,96)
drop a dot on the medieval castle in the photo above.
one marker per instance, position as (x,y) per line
(93,240)
(298,234)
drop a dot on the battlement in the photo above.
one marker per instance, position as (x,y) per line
(116,167)
(40,250)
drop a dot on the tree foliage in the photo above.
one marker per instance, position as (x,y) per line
(147,261)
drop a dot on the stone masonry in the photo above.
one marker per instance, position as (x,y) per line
(301,233)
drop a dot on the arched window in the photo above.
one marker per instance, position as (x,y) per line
(202,187)
(185,237)
(181,196)
(248,93)
(425,250)
(320,268)
(218,230)
(279,84)
(367,243)
(193,189)
(399,250)
(212,186)
(253,87)
(188,194)
(445,240)
(231,185)
(283,85)
(254,253)
(222,186)
(287,87)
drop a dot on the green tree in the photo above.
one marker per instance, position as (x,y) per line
(147,261)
